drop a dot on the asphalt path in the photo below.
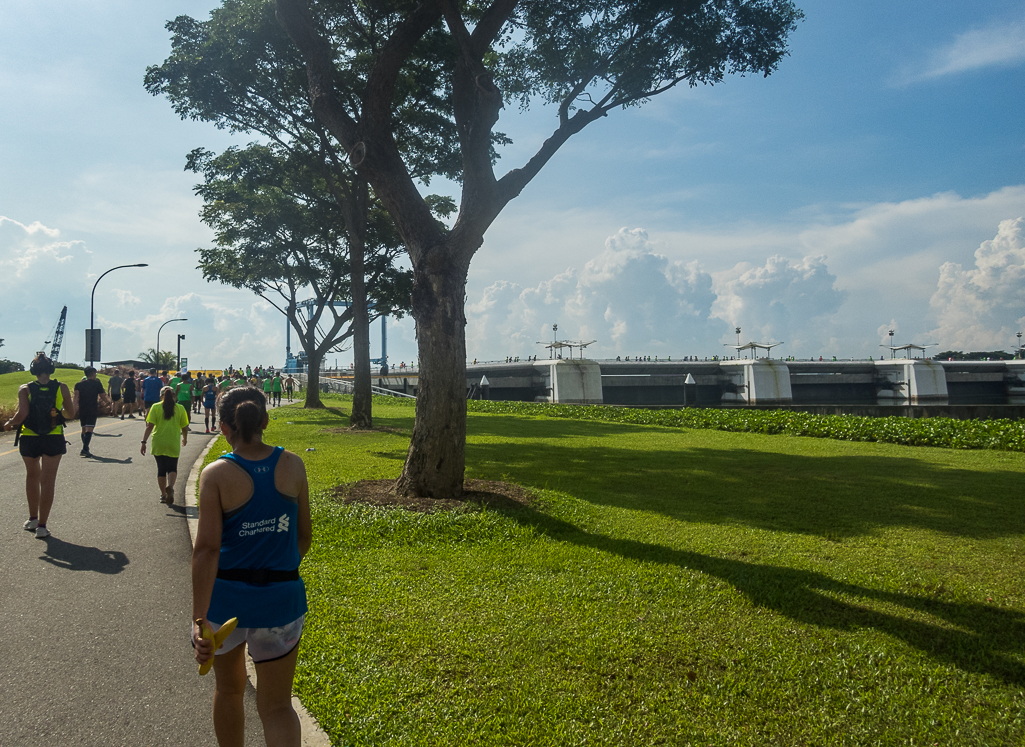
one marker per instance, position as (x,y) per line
(94,620)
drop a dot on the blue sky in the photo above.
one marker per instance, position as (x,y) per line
(875,181)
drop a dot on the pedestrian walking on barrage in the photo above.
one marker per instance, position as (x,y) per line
(167,421)
(251,575)
(43,407)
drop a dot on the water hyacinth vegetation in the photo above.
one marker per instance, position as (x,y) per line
(667,585)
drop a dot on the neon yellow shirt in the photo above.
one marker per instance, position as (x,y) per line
(166,439)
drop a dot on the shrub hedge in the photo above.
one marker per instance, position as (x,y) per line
(945,433)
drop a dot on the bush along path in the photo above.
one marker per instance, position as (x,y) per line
(944,433)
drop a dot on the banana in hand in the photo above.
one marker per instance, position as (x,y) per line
(218,638)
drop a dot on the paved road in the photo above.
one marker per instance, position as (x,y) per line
(94,621)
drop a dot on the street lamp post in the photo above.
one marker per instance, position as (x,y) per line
(92,298)
(180,338)
(892,356)
(157,361)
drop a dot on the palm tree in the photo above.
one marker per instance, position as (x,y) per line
(164,360)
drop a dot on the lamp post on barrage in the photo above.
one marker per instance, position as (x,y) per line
(92,335)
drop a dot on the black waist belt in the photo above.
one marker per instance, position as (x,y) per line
(257,575)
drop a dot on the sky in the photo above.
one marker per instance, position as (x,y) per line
(875,181)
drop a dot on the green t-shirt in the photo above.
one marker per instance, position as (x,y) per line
(185,391)
(173,383)
(266,385)
(224,385)
(276,384)
(166,439)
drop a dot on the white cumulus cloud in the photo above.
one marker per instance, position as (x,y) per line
(783,300)
(631,299)
(981,308)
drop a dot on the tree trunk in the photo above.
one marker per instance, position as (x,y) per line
(362,396)
(313,380)
(437,454)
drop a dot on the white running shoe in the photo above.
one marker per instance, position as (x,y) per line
(30,525)
(42,533)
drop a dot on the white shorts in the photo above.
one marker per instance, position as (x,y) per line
(265,644)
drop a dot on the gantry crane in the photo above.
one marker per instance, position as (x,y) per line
(57,337)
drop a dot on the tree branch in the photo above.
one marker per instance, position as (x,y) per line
(294,16)
(490,25)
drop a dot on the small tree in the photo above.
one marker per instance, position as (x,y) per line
(587,58)
(279,234)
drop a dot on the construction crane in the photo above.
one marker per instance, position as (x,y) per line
(57,336)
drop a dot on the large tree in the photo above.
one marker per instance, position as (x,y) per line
(585,57)
(278,233)
(239,71)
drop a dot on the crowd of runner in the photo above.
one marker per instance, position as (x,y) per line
(179,394)
(197,393)
(246,581)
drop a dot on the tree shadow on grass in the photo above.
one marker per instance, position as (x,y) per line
(981,638)
(547,427)
(832,496)
(320,416)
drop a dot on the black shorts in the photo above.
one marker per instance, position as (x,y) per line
(166,464)
(129,399)
(88,419)
(150,402)
(115,397)
(34,447)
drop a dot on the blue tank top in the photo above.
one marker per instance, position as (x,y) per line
(261,534)
(209,398)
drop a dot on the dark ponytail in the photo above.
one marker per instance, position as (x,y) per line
(167,401)
(243,409)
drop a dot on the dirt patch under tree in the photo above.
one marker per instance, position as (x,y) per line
(476,493)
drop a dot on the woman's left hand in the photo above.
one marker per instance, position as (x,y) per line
(204,648)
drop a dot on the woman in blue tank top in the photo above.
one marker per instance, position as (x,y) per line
(254,529)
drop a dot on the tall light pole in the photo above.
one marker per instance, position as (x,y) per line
(180,338)
(91,338)
(157,361)
(892,351)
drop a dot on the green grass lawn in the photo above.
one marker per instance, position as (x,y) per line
(11,382)
(668,586)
